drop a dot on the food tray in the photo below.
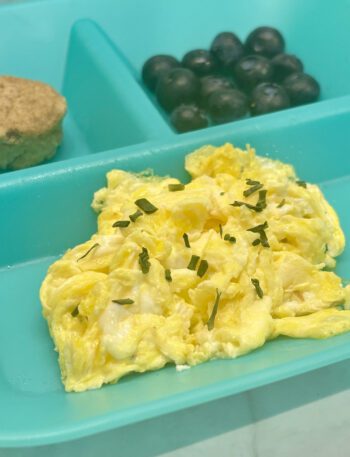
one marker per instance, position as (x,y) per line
(93,51)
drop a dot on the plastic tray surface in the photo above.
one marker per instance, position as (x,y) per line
(92,51)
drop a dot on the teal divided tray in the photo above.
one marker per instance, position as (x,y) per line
(93,51)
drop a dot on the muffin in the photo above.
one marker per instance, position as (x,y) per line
(31,114)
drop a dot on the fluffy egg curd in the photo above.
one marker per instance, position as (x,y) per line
(186,273)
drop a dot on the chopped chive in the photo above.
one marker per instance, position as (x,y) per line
(301,184)
(124,301)
(258,289)
(186,240)
(144,261)
(250,182)
(220,230)
(263,240)
(326,248)
(202,269)
(146,206)
(88,251)
(261,204)
(259,228)
(121,224)
(135,215)
(252,190)
(176,187)
(75,312)
(193,262)
(230,238)
(168,275)
(222,193)
(211,321)
(262,200)
(252,207)
(281,203)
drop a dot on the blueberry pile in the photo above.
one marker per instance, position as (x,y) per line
(230,80)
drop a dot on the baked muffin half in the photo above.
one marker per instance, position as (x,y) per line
(31,114)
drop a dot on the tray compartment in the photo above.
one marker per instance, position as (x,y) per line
(316,43)
(104,99)
(107,109)
(52,214)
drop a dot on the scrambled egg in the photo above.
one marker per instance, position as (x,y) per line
(183,274)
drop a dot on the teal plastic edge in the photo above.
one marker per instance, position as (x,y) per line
(180,401)
(214,135)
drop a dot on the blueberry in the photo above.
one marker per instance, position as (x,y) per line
(227,49)
(226,105)
(176,87)
(200,61)
(188,117)
(284,65)
(268,97)
(265,41)
(156,66)
(253,70)
(212,83)
(301,88)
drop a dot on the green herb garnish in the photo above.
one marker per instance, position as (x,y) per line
(186,240)
(222,193)
(263,240)
(301,184)
(252,190)
(256,185)
(144,261)
(260,229)
(202,269)
(230,238)
(220,230)
(211,321)
(262,200)
(124,301)
(146,206)
(135,215)
(168,275)
(75,312)
(250,182)
(249,206)
(121,224)
(258,289)
(176,187)
(261,204)
(281,203)
(193,262)
(88,251)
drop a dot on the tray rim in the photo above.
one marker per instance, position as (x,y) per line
(181,401)
(295,116)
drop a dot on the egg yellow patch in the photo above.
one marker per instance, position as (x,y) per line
(184,274)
